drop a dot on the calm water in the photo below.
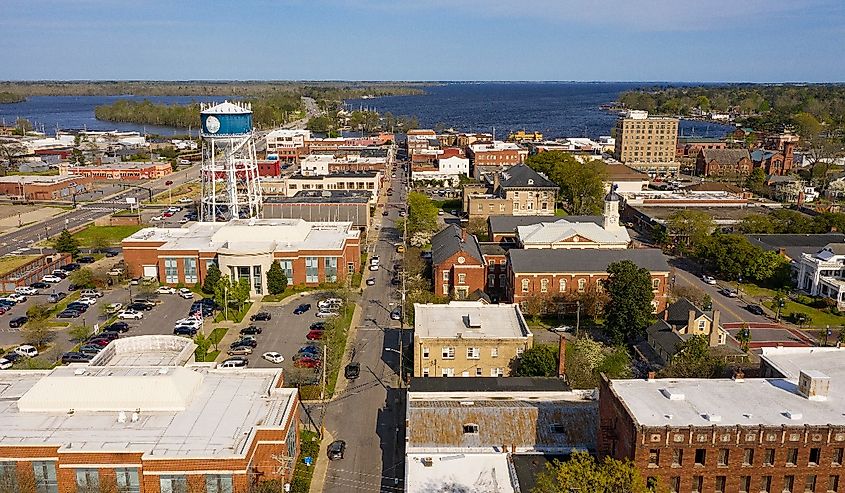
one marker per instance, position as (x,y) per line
(556,109)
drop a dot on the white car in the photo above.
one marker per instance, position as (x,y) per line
(562,328)
(186,200)
(709,280)
(373,267)
(188,322)
(91,293)
(26,290)
(17,297)
(156,219)
(27,351)
(327,314)
(88,300)
(371,281)
(184,220)
(174,209)
(186,293)
(374,260)
(114,307)
(273,357)
(5,364)
(51,279)
(166,290)
(130,315)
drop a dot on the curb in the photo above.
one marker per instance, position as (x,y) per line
(321,468)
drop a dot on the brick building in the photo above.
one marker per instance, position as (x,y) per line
(119,171)
(143,418)
(723,162)
(490,157)
(44,187)
(689,147)
(782,433)
(558,273)
(309,253)
(468,338)
(457,264)
(517,191)
(775,161)
(321,206)
(647,144)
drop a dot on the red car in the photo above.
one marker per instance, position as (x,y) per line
(167,214)
(100,342)
(314,335)
(2,310)
(307,363)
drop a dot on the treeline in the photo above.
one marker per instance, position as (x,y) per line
(7,97)
(267,112)
(763,105)
(785,221)
(368,121)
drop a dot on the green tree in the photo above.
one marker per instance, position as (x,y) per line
(38,312)
(212,279)
(422,214)
(756,181)
(222,294)
(629,311)
(66,243)
(693,359)
(23,126)
(689,227)
(240,292)
(36,331)
(79,333)
(581,184)
(744,337)
(277,281)
(83,277)
(539,361)
(10,153)
(584,473)
(203,343)
(587,359)
(757,223)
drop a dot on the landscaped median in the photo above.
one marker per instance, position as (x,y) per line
(797,309)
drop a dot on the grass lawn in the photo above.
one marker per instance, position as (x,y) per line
(448,204)
(290,291)
(99,236)
(8,263)
(233,314)
(818,318)
(187,190)
(309,446)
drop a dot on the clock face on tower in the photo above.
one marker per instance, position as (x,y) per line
(212,124)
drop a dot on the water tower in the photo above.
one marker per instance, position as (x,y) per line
(229,171)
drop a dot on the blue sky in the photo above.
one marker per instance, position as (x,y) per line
(636,40)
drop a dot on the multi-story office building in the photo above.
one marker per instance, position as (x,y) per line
(647,143)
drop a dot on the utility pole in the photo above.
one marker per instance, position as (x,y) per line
(577,316)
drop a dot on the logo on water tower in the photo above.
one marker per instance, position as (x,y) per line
(212,124)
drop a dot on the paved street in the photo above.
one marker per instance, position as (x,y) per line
(732,309)
(369,415)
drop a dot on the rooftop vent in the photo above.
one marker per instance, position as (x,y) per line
(162,371)
(467,403)
(79,371)
(427,462)
(672,394)
(793,415)
(713,418)
(121,417)
(814,385)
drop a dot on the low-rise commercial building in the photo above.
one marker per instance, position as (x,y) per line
(468,338)
(309,253)
(496,156)
(518,191)
(289,186)
(321,206)
(732,163)
(143,418)
(23,187)
(119,171)
(288,145)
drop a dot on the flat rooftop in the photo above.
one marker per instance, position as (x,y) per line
(470,319)
(221,411)
(39,180)
(456,472)
(489,384)
(146,351)
(721,215)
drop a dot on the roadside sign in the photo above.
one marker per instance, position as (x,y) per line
(130,200)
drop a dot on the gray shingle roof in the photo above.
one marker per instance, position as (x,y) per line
(679,312)
(449,242)
(726,156)
(795,244)
(662,337)
(508,224)
(587,260)
(522,176)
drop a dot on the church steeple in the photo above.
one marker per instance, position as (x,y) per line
(611,209)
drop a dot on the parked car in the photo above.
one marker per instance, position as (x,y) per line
(90,349)
(302,308)
(139,307)
(39,285)
(111,253)
(59,273)
(755,309)
(112,308)
(236,362)
(18,297)
(373,268)
(352,370)
(251,330)
(108,335)
(12,357)
(336,450)
(70,267)
(307,362)
(69,313)
(26,290)
(273,357)
(562,328)
(75,357)
(730,293)
(116,327)
(371,281)
(318,326)
(26,350)
(57,297)
(260,317)
(327,314)
(245,341)
(17,322)
(91,293)
(5,364)
(130,315)
(85,300)
(314,335)
(396,314)
(85,260)
(309,349)
(239,351)
(374,260)
(709,280)
(186,293)
(166,290)
(51,279)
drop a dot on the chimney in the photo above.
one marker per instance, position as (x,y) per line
(690,320)
(714,329)
(666,314)
(561,356)
(739,376)
(814,385)
(651,376)
(496,182)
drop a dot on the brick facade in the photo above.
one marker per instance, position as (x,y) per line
(455,278)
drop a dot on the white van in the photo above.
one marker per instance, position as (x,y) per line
(27,351)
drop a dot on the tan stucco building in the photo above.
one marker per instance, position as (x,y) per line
(647,143)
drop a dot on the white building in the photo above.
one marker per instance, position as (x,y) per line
(284,141)
(315,164)
(823,273)
(576,233)
(355,180)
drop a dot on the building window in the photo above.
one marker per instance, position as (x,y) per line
(519,351)
(544,285)
(720,484)
(425,352)
(791,456)
(462,278)
(445,275)
(697,484)
(677,457)
(653,457)
(190,271)
(815,454)
(478,371)
(471,428)
(171,271)
(445,290)
(788,483)
(448,352)
(702,324)
(175,483)
(290,441)
(582,285)
(675,484)
(331,269)
(256,279)
(723,457)
(287,268)
(810,483)
(491,280)
(525,283)
(87,480)
(748,457)
(562,285)
(425,372)
(312,270)
(769,457)
(494,352)
(218,483)
(447,372)
(497,372)
(473,353)
(8,476)
(655,283)
(700,456)
(45,477)
(766,484)
(837,456)
(833,483)
(744,484)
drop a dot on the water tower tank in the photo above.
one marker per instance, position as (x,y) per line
(226,119)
